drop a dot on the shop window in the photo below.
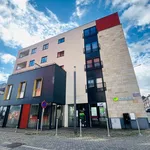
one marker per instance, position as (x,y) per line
(44,59)
(60,54)
(2,114)
(96,62)
(37,87)
(89,63)
(8,91)
(90,83)
(21,90)
(61,40)
(13,116)
(45,46)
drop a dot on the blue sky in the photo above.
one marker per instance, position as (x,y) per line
(24,22)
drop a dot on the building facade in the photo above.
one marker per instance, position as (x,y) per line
(106,83)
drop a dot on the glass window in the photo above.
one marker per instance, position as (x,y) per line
(31,63)
(99,83)
(90,83)
(88,48)
(96,62)
(94,45)
(60,54)
(44,59)
(37,87)
(86,32)
(21,90)
(93,30)
(33,51)
(45,46)
(61,40)
(8,91)
(89,63)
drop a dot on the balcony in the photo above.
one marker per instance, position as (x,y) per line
(99,87)
(93,66)
(23,54)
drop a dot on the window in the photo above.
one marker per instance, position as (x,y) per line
(37,87)
(89,63)
(21,65)
(99,83)
(44,59)
(90,31)
(21,90)
(94,45)
(61,40)
(88,48)
(90,83)
(60,54)
(8,91)
(31,63)
(33,51)
(45,46)
(23,54)
(96,62)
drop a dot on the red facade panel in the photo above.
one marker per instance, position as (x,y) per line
(25,116)
(107,22)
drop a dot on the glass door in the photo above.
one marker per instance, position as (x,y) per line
(94,116)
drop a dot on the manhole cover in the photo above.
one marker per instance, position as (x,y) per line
(14,145)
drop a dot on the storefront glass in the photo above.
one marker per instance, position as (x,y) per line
(33,116)
(2,114)
(13,117)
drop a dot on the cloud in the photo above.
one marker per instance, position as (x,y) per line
(7,58)
(20,18)
(3,77)
(81,8)
(140,54)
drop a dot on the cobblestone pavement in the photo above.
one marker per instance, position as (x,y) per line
(93,139)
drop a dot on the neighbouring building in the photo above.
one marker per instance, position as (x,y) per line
(106,84)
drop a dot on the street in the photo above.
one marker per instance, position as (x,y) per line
(46,140)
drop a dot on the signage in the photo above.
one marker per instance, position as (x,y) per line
(44,104)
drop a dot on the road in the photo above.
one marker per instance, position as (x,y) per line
(21,141)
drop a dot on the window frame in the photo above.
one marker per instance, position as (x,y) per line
(44,57)
(61,40)
(32,51)
(33,63)
(60,54)
(45,46)
(34,87)
(7,92)
(20,88)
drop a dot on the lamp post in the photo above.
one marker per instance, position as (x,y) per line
(75,128)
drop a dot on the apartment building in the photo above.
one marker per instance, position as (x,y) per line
(106,83)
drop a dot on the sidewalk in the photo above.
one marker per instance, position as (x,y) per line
(86,132)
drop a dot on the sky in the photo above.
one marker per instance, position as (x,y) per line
(25,22)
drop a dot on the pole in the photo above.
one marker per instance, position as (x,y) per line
(138,127)
(80,128)
(56,126)
(37,125)
(108,133)
(42,118)
(75,128)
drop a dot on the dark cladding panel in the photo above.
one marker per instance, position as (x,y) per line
(107,22)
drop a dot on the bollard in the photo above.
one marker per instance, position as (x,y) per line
(37,126)
(56,126)
(107,127)
(138,127)
(80,128)
(16,129)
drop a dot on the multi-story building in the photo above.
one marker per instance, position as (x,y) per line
(106,84)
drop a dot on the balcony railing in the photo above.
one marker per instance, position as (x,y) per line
(97,65)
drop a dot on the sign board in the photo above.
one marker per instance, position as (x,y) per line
(132,116)
(44,104)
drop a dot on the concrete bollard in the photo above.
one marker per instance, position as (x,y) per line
(16,130)
(108,133)
(80,128)
(56,127)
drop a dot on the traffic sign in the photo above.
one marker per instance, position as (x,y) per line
(44,104)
